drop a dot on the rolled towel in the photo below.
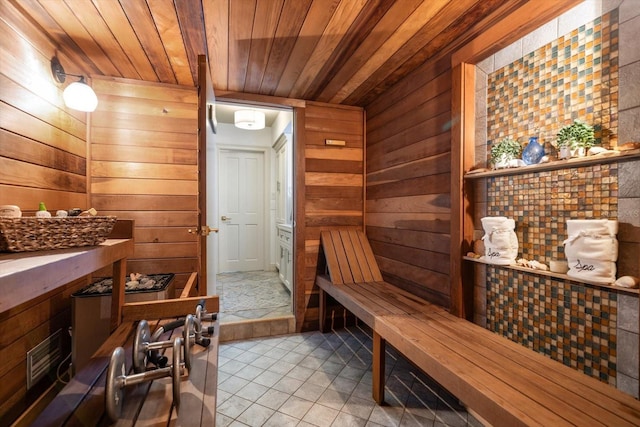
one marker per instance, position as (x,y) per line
(597,226)
(500,240)
(603,247)
(592,250)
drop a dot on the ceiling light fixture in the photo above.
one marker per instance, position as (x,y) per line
(249,119)
(78,95)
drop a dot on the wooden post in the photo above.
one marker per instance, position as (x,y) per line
(117,292)
(322,310)
(378,368)
(299,228)
(462,158)
(205,93)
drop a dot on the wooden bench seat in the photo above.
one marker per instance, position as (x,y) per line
(499,380)
(82,400)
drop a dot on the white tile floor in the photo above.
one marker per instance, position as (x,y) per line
(314,379)
(252,295)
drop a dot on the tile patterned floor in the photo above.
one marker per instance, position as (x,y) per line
(252,295)
(314,379)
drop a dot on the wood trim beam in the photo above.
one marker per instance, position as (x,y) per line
(462,158)
(265,100)
(163,309)
(299,228)
(204,86)
(190,287)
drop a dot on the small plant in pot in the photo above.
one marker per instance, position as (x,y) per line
(504,152)
(576,137)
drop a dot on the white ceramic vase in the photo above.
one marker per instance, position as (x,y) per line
(565,152)
(502,163)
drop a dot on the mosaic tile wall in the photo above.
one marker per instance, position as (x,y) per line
(570,323)
(573,77)
(542,202)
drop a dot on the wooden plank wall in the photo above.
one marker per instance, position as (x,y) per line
(43,157)
(408,175)
(144,167)
(43,150)
(334,179)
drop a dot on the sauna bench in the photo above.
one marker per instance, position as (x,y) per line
(27,276)
(82,400)
(498,380)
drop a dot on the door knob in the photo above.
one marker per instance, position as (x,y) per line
(206,230)
(225,218)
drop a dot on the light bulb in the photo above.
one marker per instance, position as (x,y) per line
(80,96)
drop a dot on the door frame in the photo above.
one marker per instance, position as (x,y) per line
(265,191)
(206,101)
(298,108)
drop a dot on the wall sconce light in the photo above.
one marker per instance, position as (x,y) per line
(78,95)
(249,119)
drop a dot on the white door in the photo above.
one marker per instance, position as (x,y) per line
(241,192)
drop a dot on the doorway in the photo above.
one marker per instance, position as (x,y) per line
(243,197)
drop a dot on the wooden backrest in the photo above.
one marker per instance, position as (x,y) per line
(349,256)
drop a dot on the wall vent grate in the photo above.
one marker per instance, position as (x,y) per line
(44,357)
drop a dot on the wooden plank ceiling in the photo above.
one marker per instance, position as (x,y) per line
(338,51)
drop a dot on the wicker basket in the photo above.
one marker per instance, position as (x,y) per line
(28,234)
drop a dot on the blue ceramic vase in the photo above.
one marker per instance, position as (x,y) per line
(533,152)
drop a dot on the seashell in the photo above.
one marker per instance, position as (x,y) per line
(627,282)
(90,212)
(10,211)
(538,265)
(596,150)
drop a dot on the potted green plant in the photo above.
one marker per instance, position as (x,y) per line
(504,152)
(576,136)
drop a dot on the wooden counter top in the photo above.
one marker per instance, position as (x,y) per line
(25,276)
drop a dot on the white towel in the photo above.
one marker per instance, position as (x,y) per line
(592,270)
(500,240)
(592,250)
(603,247)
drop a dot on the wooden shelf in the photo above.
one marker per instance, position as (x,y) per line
(559,276)
(25,276)
(559,164)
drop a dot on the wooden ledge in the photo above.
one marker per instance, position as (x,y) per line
(558,276)
(558,164)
